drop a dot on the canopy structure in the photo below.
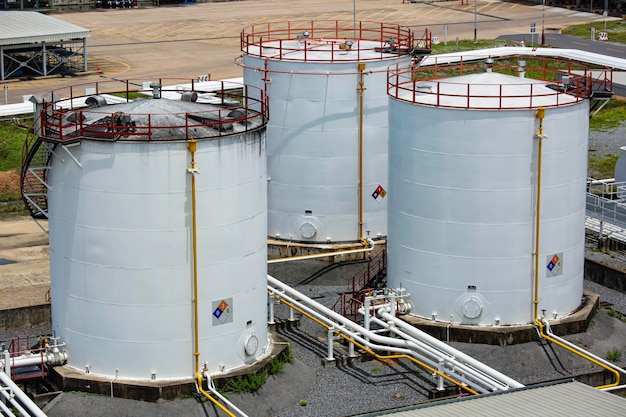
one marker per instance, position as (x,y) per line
(34,44)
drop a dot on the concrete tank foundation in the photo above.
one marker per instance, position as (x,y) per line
(577,322)
(69,379)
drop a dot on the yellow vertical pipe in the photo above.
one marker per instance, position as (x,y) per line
(192,150)
(191,147)
(361,89)
(540,135)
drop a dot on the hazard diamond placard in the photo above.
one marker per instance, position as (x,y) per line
(222,311)
(554,265)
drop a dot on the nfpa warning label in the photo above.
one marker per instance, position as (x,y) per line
(222,311)
(554,265)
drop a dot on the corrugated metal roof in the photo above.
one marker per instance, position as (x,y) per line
(18,28)
(571,399)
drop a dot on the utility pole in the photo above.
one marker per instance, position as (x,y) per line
(543,23)
(475,23)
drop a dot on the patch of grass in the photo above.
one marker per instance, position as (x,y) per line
(13,209)
(467,45)
(86,394)
(274,366)
(614,355)
(286,356)
(602,167)
(610,117)
(616,30)
(614,313)
(12,138)
(254,381)
(132,95)
(376,370)
(245,383)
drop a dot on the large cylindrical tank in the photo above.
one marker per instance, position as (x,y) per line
(463,194)
(122,236)
(327,132)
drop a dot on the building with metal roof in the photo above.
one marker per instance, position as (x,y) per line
(570,398)
(34,44)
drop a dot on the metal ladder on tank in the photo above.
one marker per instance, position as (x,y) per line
(36,159)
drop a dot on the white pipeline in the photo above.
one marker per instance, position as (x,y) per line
(477,375)
(17,398)
(355,332)
(411,347)
(51,357)
(451,351)
(444,354)
(371,244)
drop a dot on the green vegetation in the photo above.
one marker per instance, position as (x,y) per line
(610,117)
(286,356)
(614,355)
(467,45)
(303,403)
(601,167)
(12,209)
(616,30)
(86,394)
(254,381)
(615,313)
(275,365)
(12,137)
(132,95)
(245,383)
(13,134)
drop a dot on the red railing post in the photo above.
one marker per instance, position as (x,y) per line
(149,127)
(80,124)
(60,125)
(187,126)
(71,97)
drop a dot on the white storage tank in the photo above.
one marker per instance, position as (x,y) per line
(327,131)
(122,232)
(463,193)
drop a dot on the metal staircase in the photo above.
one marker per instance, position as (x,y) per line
(370,278)
(36,159)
